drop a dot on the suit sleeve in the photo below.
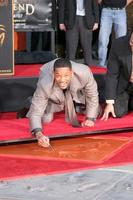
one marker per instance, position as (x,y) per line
(37,108)
(92,99)
(61,13)
(95,10)
(113,71)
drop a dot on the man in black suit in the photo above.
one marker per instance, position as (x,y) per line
(119,78)
(78,18)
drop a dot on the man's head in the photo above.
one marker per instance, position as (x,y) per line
(62,72)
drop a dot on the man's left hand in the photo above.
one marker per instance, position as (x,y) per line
(88,122)
(95,26)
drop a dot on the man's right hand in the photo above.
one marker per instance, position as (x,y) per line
(99,1)
(42,139)
(108,109)
(62,27)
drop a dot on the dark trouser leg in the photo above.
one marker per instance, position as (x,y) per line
(130,106)
(130,92)
(25,108)
(35,37)
(80,108)
(86,41)
(121,104)
(72,37)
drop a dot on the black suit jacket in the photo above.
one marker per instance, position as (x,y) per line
(67,13)
(119,67)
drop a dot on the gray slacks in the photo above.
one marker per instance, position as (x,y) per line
(79,31)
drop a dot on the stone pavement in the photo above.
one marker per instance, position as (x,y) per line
(102,184)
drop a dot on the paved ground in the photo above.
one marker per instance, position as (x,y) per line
(102,184)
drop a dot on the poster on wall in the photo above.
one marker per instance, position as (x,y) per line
(34,15)
(6,38)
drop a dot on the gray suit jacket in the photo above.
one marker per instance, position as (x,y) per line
(48,97)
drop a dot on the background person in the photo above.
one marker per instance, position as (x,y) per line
(119,78)
(113,14)
(78,18)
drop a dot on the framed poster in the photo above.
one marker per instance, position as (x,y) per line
(34,15)
(6,38)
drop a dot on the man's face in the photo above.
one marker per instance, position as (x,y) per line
(131,40)
(62,77)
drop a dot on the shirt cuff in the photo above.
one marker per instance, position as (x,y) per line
(111,101)
(91,119)
(36,130)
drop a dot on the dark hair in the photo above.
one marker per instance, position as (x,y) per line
(62,62)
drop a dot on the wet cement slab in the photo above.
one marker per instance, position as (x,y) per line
(102,184)
(93,149)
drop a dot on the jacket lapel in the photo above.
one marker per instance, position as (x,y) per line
(57,95)
(75,86)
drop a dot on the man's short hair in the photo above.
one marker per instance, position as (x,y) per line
(62,62)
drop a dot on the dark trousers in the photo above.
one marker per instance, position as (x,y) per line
(40,41)
(79,31)
(124,102)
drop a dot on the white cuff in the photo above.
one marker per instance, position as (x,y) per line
(111,101)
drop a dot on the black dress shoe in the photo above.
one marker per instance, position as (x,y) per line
(22,113)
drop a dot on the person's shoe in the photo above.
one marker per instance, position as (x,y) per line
(22,113)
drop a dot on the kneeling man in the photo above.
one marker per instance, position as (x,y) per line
(119,78)
(63,85)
